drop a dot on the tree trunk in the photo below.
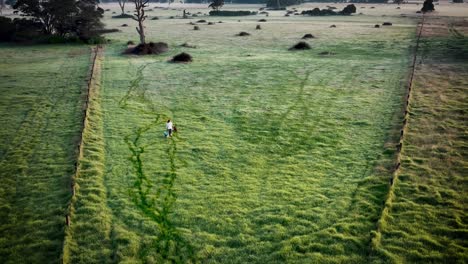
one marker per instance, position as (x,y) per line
(122,5)
(140,17)
(141,32)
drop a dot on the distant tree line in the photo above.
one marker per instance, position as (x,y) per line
(65,19)
(271,3)
(281,4)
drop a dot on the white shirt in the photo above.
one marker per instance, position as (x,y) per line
(169,125)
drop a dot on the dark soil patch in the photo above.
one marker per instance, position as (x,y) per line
(301,46)
(182,58)
(243,34)
(148,48)
(308,36)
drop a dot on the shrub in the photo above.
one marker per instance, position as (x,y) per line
(123,16)
(7,29)
(348,10)
(428,6)
(231,13)
(107,30)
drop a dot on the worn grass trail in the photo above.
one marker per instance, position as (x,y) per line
(40,111)
(427,217)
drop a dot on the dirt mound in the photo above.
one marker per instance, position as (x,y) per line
(124,25)
(211,23)
(196,28)
(300,46)
(333,26)
(187,45)
(376,26)
(308,36)
(182,58)
(201,21)
(262,20)
(258,27)
(148,48)
(243,34)
(386,24)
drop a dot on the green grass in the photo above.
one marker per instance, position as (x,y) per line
(427,220)
(281,156)
(40,113)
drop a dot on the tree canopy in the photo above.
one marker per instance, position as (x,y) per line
(80,18)
(216,4)
(282,3)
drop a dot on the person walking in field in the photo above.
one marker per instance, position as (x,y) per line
(169,128)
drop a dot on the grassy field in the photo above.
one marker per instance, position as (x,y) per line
(40,113)
(281,156)
(427,222)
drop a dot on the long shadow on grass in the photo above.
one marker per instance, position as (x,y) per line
(155,201)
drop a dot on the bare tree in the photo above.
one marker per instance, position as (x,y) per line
(140,17)
(121,4)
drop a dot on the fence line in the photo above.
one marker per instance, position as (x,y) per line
(95,51)
(375,239)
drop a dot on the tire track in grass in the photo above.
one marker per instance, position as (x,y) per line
(155,201)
